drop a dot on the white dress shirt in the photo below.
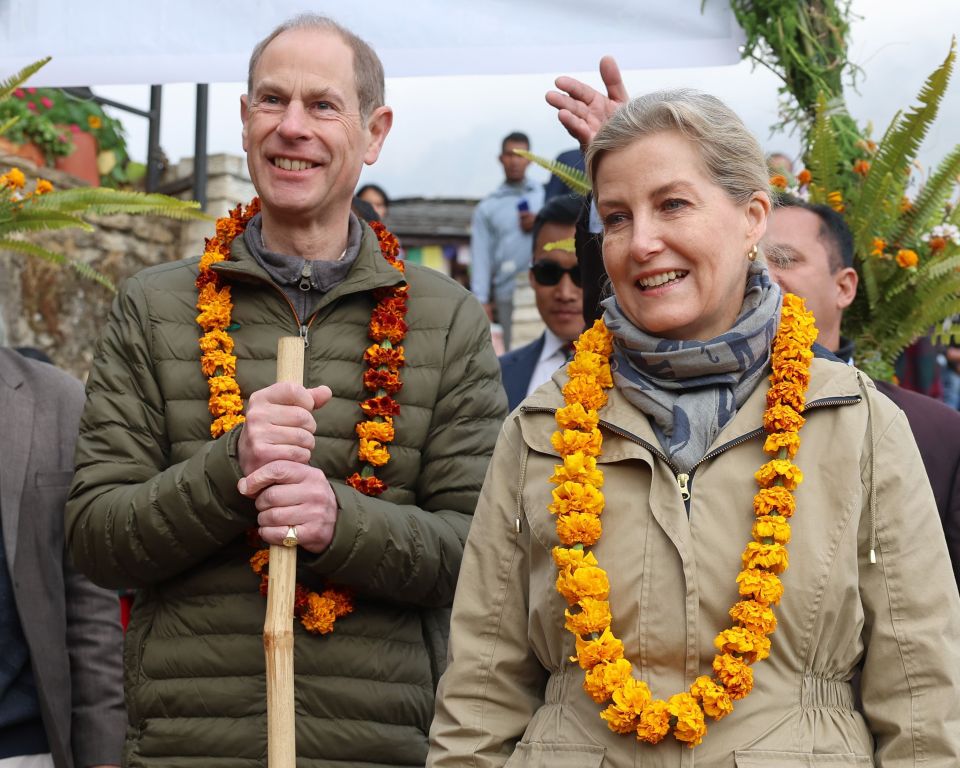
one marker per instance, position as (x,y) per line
(552,356)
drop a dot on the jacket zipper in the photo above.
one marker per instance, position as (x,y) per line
(685,480)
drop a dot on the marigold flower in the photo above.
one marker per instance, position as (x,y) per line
(654,722)
(387,325)
(585,390)
(775,528)
(377,356)
(690,727)
(13,179)
(596,339)
(594,616)
(218,360)
(861,167)
(782,470)
(714,698)
(835,201)
(787,393)
(751,645)
(762,586)
(601,681)
(590,364)
(381,431)
(575,416)
(604,648)
(772,557)
(42,187)
(223,385)
(259,560)
(373,453)
(387,381)
(804,177)
(937,244)
(782,418)
(341,600)
(628,702)
(94,122)
(571,498)
(573,558)
(779,181)
(793,371)
(319,615)
(905,205)
(756,616)
(368,486)
(569,441)
(878,246)
(578,468)
(224,405)
(380,406)
(775,499)
(216,340)
(225,423)
(733,674)
(584,582)
(777,441)
(907,259)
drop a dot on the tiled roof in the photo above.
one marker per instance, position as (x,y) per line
(431,217)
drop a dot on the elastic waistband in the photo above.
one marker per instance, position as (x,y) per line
(820,692)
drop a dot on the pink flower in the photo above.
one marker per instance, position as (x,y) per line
(31,91)
(19,93)
(47,102)
(31,106)
(74,128)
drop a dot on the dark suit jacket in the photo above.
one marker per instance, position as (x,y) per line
(516,370)
(936,428)
(72,628)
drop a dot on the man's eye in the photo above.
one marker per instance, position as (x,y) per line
(269,101)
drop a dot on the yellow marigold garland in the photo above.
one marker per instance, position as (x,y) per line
(578,505)
(316,611)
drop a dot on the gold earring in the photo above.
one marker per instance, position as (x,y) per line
(754,252)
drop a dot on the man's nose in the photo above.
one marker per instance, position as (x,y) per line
(293,123)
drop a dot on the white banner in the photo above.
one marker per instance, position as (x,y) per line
(103,42)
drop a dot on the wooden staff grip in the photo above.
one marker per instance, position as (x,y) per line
(278,627)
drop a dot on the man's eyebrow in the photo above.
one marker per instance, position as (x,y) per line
(781,250)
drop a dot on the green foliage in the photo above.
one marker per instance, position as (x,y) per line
(23,125)
(900,300)
(574,178)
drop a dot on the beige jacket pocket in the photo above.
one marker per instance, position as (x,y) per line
(539,755)
(764,758)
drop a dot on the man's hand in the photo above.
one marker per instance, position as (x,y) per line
(290,493)
(280,425)
(526,220)
(582,109)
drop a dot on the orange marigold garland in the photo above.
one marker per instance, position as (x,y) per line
(316,611)
(578,505)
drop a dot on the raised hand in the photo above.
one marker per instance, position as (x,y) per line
(582,109)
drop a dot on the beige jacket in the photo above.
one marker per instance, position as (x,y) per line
(512,696)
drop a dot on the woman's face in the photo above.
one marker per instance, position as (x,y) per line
(674,244)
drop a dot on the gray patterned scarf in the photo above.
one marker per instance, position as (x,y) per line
(692,389)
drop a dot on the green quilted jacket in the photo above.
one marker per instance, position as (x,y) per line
(154,505)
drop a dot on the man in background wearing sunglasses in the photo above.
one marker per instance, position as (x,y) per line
(555,278)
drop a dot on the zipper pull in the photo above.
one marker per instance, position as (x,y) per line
(684,491)
(303,336)
(305,276)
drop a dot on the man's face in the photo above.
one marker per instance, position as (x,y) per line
(799,261)
(302,132)
(560,305)
(514,166)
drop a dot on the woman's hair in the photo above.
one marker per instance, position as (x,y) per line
(374,188)
(731,154)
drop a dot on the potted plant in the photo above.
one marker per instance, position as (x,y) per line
(27,131)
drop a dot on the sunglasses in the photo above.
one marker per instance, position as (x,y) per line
(548,272)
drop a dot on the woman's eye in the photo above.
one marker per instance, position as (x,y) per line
(674,204)
(613,219)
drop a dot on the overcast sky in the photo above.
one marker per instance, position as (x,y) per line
(447,130)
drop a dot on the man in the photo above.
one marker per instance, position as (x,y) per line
(555,279)
(500,240)
(61,693)
(159,505)
(810,253)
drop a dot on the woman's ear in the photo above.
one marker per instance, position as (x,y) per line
(757,212)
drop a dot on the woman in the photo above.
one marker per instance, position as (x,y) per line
(672,619)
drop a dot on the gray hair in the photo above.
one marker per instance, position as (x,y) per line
(731,154)
(367,68)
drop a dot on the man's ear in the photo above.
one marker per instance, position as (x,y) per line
(378,126)
(846,281)
(244,103)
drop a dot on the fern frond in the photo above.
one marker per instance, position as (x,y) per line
(4,127)
(85,270)
(13,82)
(928,207)
(573,177)
(103,200)
(823,156)
(33,220)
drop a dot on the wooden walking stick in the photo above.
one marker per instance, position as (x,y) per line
(278,627)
